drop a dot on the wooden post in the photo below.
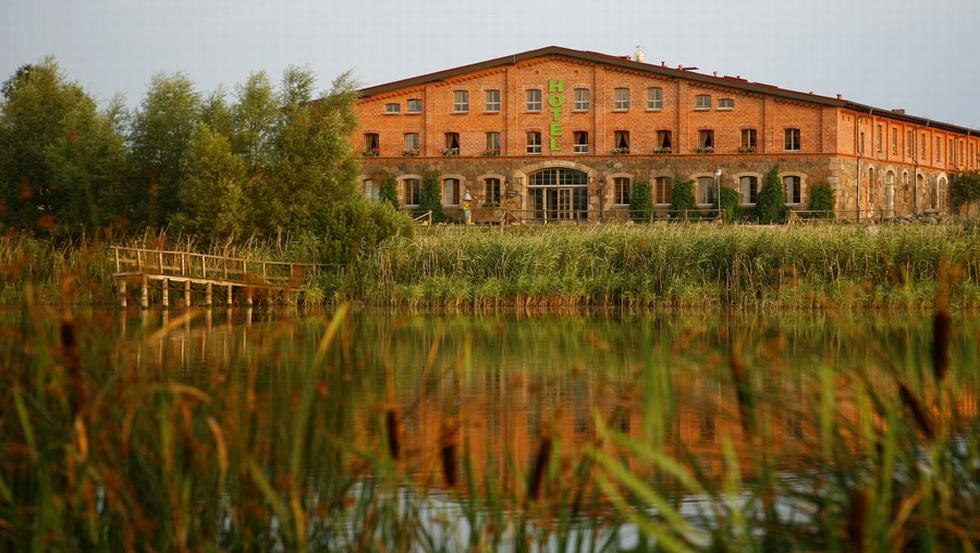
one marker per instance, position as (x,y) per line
(249,291)
(229,294)
(122,290)
(207,295)
(145,293)
(165,292)
(187,293)
(116,250)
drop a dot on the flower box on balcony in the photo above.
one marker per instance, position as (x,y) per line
(450,152)
(411,153)
(620,151)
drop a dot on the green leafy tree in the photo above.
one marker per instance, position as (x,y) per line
(770,205)
(256,119)
(822,200)
(216,113)
(161,133)
(682,197)
(964,188)
(61,160)
(389,190)
(213,192)
(431,199)
(640,201)
(730,199)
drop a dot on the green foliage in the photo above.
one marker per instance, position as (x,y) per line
(822,200)
(730,208)
(964,188)
(770,205)
(431,199)
(61,161)
(682,196)
(389,190)
(641,201)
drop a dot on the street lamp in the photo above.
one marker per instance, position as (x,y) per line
(718,188)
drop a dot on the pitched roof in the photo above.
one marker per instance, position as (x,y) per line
(626,63)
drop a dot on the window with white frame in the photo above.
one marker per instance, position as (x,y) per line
(450,192)
(707,188)
(622,99)
(663,190)
(493,101)
(533,142)
(792,140)
(726,104)
(581,99)
(491,192)
(655,98)
(461,101)
(622,189)
(414,105)
(792,184)
(493,142)
(748,187)
(702,101)
(413,192)
(411,142)
(393,108)
(581,145)
(534,99)
(371,190)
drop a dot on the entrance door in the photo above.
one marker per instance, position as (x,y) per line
(559,194)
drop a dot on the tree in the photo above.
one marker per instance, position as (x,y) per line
(964,188)
(822,200)
(682,197)
(770,205)
(730,199)
(431,199)
(60,158)
(389,190)
(640,201)
(161,133)
(256,118)
(213,192)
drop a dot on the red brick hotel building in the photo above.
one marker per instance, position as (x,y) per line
(556,133)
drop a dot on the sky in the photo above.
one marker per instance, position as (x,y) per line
(923,56)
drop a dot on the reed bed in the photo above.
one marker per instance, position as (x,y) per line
(674,264)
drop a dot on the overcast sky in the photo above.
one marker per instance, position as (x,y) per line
(922,55)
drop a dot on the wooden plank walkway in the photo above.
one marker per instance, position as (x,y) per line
(145,265)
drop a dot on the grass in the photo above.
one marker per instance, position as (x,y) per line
(292,447)
(677,265)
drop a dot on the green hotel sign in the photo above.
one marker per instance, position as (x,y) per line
(556,99)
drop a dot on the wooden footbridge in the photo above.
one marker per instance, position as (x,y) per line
(204,271)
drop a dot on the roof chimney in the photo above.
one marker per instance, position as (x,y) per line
(840,96)
(899,111)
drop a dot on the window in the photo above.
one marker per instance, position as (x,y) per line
(621,186)
(706,191)
(655,98)
(393,108)
(861,144)
(939,149)
(664,145)
(748,187)
(581,99)
(493,101)
(461,101)
(793,188)
(908,143)
(950,152)
(621,142)
(622,99)
(411,142)
(581,142)
(706,141)
(663,190)
(922,146)
(415,105)
(872,185)
(450,192)
(452,144)
(748,143)
(962,153)
(702,102)
(372,144)
(371,190)
(895,141)
(491,192)
(877,142)
(905,178)
(533,142)
(726,103)
(413,192)
(792,140)
(534,99)
(493,142)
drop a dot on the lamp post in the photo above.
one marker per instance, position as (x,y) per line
(718,188)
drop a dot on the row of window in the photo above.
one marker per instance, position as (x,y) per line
(533,101)
(952,154)
(580,144)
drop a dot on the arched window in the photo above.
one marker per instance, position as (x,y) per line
(706,191)
(450,192)
(622,188)
(371,190)
(748,186)
(941,194)
(794,189)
